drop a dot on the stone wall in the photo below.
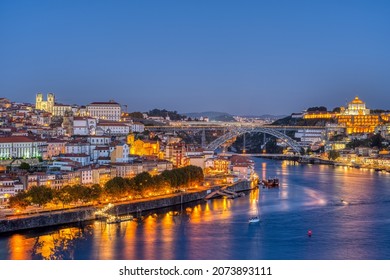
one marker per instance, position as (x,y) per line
(87,213)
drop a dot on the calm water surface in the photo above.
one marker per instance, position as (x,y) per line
(309,198)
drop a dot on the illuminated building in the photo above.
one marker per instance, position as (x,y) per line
(5,103)
(54,148)
(144,147)
(356,107)
(319,115)
(83,126)
(175,153)
(385,117)
(61,109)
(9,187)
(127,170)
(110,111)
(357,119)
(217,165)
(137,127)
(120,153)
(48,105)
(384,130)
(113,128)
(81,158)
(130,139)
(21,147)
(310,136)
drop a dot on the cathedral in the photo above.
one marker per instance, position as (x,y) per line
(48,105)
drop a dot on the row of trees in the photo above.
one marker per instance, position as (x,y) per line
(144,183)
(42,195)
(116,188)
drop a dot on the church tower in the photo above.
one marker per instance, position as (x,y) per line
(50,102)
(38,101)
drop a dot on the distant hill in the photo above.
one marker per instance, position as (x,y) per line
(266,116)
(302,122)
(213,116)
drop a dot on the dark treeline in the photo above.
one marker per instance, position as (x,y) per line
(142,185)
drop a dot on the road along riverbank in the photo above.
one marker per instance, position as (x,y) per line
(78,215)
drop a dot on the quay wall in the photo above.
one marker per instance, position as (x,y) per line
(79,215)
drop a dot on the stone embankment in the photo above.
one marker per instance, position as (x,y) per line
(79,215)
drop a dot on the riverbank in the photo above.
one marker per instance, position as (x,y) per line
(314,160)
(82,214)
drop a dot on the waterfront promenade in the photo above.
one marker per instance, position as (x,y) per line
(46,218)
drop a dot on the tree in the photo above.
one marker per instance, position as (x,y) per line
(376,140)
(336,110)
(40,195)
(24,166)
(143,180)
(95,192)
(136,115)
(19,200)
(64,195)
(317,109)
(333,155)
(116,186)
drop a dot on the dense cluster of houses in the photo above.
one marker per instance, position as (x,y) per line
(63,145)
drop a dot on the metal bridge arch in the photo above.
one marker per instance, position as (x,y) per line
(239,131)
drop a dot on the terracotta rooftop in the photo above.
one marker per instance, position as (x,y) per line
(16,139)
(104,103)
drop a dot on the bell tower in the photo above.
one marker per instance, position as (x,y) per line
(38,101)
(50,102)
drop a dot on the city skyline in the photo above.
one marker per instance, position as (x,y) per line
(254,58)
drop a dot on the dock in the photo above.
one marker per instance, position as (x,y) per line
(223,193)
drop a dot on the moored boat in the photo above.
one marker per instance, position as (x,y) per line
(119,219)
(254,219)
(271,182)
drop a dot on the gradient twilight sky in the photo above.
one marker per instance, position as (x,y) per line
(241,57)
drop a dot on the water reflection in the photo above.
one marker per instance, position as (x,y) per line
(57,245)
(309,197)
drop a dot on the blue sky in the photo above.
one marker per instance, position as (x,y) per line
(242,57)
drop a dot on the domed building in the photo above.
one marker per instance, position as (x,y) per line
(357,118)
(357,107)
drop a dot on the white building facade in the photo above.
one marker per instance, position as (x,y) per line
(105,110)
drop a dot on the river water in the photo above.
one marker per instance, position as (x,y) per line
(310,197)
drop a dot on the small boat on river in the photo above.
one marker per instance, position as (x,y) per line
(119,219)
(256,218)
(270,183)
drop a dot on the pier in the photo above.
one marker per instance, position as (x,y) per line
(223,192)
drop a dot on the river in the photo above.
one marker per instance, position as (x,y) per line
(347,210)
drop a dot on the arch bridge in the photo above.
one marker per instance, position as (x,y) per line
(297,147)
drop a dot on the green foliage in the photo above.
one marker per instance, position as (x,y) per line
(333,155)
(24,166)
(373,141)
(115,187)
(144,183)
(95,192)
(317,109)
(302,122)
(136,115)
(143,180)
(376,140)
(173,115)
(40,195)
(336,110)
(19,200)
(64,195)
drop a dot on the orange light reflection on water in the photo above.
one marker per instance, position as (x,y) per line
(167,223)
(150,233)
(17,247)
